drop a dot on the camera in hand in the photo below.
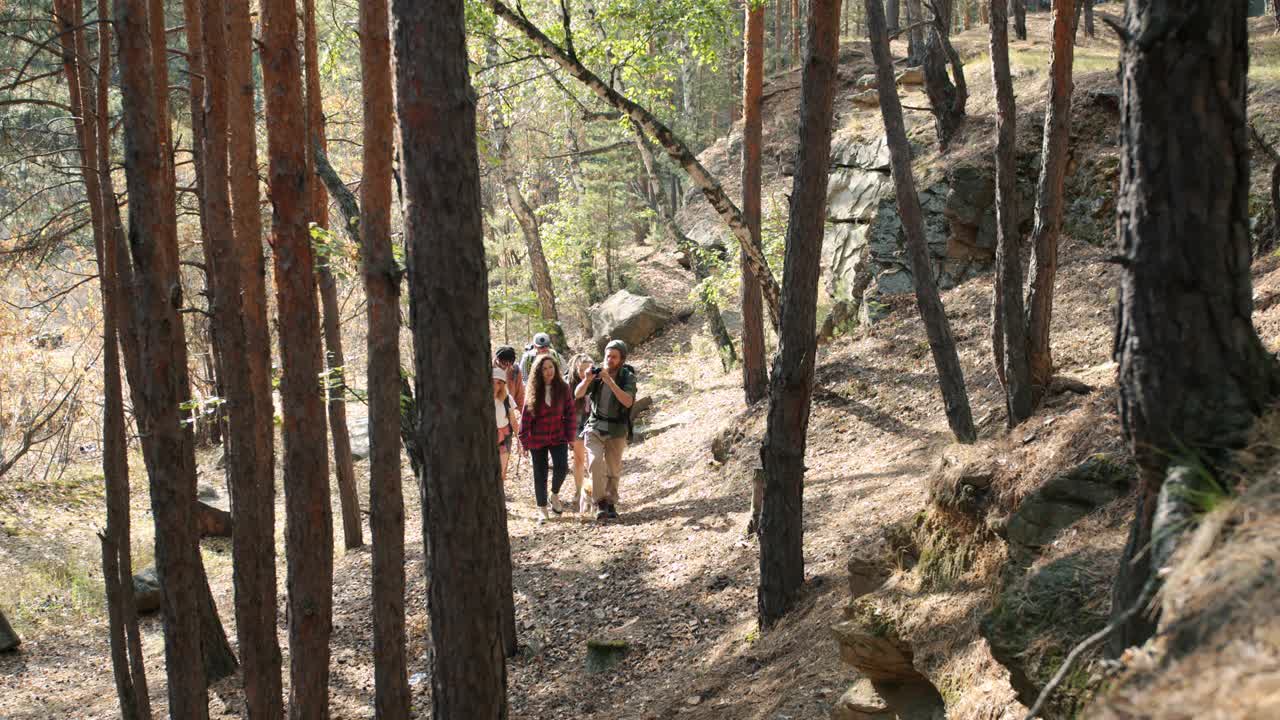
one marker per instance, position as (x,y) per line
(596,369)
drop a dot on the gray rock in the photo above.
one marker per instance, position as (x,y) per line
(867,98)
(911,76)
(605,654)
(879,656)
(146,590)
(359,430)
(868,569)
(627,317)
(9,639)
(1066,498)
(208,493)
(866,82)
(862,702)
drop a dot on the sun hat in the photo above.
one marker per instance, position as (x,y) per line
(500,374)
(542,340)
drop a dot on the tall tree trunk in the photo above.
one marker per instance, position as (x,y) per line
(791,386)
(795,32)
(156,298)
(382,289)
(1193,372)
(232,322)
(462,519)
(675,147)
(1049,200)
(947,99)
(122,614)
(1019,10)
(116,269)
(309,524)
(755,379)
(1008,324)
(335,358)
(253,480)
(894,8)
(955,399)
(915,35)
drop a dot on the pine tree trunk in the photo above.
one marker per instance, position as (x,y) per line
(894,8)
(122,615)
(1018,8)
(253,461)
(382,289)
(791,386)
(156,297)
(309,523)
(915,36)
(955,398)
(755,379)
(335,358)
(463,508)
(1193,372)
(1050,201)
(115,268)
(1008,324)
(795,32)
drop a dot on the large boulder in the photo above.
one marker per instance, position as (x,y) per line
(146,590)
(627,317)
(876,651)
(1064,499)
(212,521)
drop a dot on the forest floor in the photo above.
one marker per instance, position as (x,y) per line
(674,577)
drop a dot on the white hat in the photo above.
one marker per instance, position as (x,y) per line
(500,374)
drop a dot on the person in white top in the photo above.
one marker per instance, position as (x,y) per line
(508,420)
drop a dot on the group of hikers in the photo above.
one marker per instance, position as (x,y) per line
(551,407)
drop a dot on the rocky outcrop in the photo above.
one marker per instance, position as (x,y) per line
(627,317)
(212,521)
(1064,499)
(864,225)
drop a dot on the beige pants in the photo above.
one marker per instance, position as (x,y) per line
(604,461)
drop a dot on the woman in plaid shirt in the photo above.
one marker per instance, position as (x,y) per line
(548,426)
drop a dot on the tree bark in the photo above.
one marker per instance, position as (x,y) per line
(795,32)
(121,611)
(1018,8)
(1008,324)
(915,33)
(1049,201)
(791,386)
(675,147)
(894,8)
(233,319)
(117,275)
(335,358)
(156,298)
(382,290)
(755,379)
(253,480)
(1193,372)
(934,317)
(1088,19)
(946,99)
(463,523)
(309,526)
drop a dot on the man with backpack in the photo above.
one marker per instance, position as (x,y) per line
(541,345)
(612,391)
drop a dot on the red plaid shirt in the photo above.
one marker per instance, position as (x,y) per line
(549,425)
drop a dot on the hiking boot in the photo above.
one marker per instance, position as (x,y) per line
(602,513)
(612,511)
(557,507)
(543,515)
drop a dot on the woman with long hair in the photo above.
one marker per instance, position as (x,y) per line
(508,421)
(578,368)
(546,429)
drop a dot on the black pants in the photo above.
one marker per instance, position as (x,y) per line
(559,455)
